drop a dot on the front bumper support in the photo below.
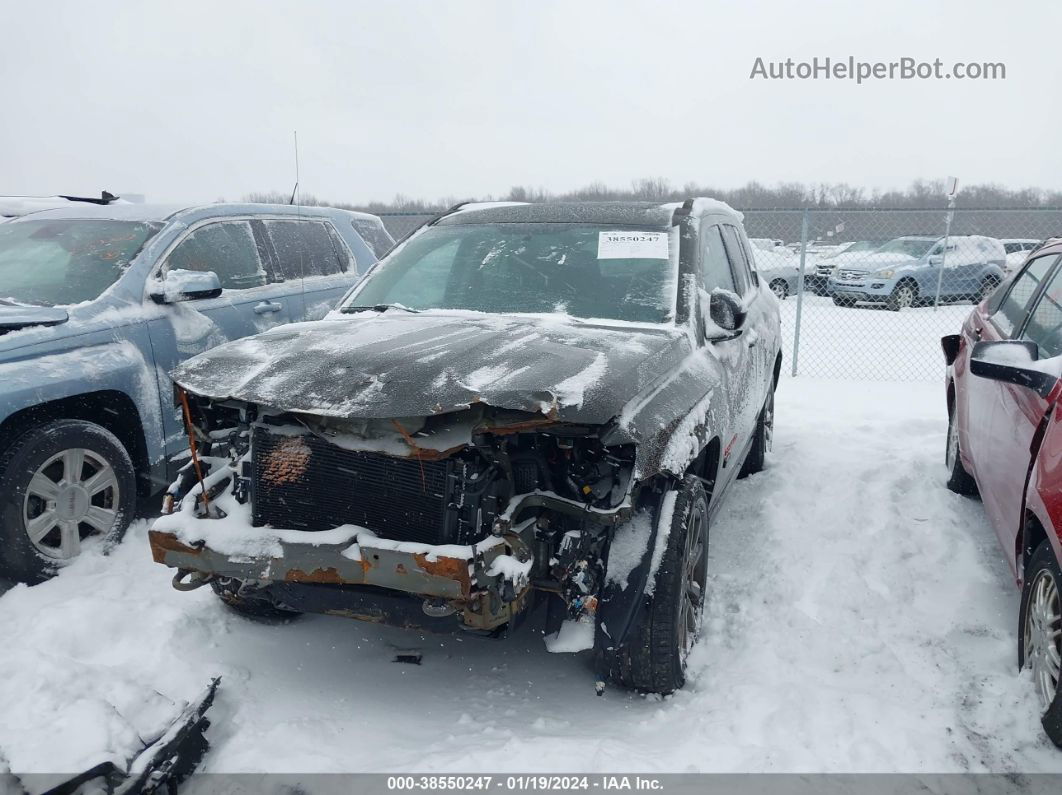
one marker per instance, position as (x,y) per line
(458,580)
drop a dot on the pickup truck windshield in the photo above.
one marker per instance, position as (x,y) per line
(66,261)
(580,270)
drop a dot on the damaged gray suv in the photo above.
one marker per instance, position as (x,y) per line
(520,404)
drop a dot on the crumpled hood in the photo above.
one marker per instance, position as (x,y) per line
(380,365)
(16,316)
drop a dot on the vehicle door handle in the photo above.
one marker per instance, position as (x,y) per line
(266,307)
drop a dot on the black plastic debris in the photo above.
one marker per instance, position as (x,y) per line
(159,768)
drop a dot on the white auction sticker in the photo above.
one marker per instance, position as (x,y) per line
(632,245)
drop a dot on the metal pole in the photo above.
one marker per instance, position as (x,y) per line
(944,252)
(800,289)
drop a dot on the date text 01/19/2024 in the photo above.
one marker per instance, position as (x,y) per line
(545,783)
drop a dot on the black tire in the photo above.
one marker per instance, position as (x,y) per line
(959,479)
(904,295)
(258,609)
(988,286)
(761,440)
(46,453)
(653,659)
(780,289)
(1042,566)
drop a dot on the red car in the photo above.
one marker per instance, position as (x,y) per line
(1005,442)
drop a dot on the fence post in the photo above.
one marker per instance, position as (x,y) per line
(800,289)
(944,251)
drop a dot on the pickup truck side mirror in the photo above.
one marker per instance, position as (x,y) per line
(726,318)
(181,285)
(1013,362)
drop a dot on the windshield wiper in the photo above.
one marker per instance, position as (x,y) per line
(376,308)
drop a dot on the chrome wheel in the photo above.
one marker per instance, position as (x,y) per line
(779,289)
(905,296)
(694,575)
(1043,636)
(73,495)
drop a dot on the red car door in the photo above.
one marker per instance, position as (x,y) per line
(1003,418)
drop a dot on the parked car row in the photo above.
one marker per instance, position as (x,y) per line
(99,301)
(899,273)
(1003,389)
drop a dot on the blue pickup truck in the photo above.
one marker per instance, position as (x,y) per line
(97,304)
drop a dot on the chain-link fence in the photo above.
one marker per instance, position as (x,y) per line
(880,287)
(867,294)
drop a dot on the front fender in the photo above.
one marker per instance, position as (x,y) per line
(98,365)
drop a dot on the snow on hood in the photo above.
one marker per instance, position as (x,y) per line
(879,260)
(380,365)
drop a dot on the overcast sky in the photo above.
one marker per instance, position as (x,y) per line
(195,101)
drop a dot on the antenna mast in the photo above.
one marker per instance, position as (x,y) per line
(293,190)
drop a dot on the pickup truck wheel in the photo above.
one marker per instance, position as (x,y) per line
(780,289)
(959,479)
(1040,634)
(761,440)
(903,296)
(62,484)
(653,660)
(228,590)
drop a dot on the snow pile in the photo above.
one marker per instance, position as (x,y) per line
(860,618)
(573,636)
(628,548)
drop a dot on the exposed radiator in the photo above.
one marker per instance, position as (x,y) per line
(306,483)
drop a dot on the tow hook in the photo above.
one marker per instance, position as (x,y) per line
(196,579)
(437,608)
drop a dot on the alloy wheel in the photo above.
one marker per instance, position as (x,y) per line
(1043,636)
(72,495)
(695,570)
(904,297)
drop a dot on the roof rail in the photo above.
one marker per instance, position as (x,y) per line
(106,197)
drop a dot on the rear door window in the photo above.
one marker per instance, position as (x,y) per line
(373,233)
(303,249)
(1011,313)
(227,248)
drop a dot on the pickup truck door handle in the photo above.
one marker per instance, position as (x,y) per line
(266,307)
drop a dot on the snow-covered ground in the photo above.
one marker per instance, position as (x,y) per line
(869,343)
(861,619)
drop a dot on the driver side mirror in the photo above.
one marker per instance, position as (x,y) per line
(936,259)
(181,285)
(1012,362)
(725,318)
